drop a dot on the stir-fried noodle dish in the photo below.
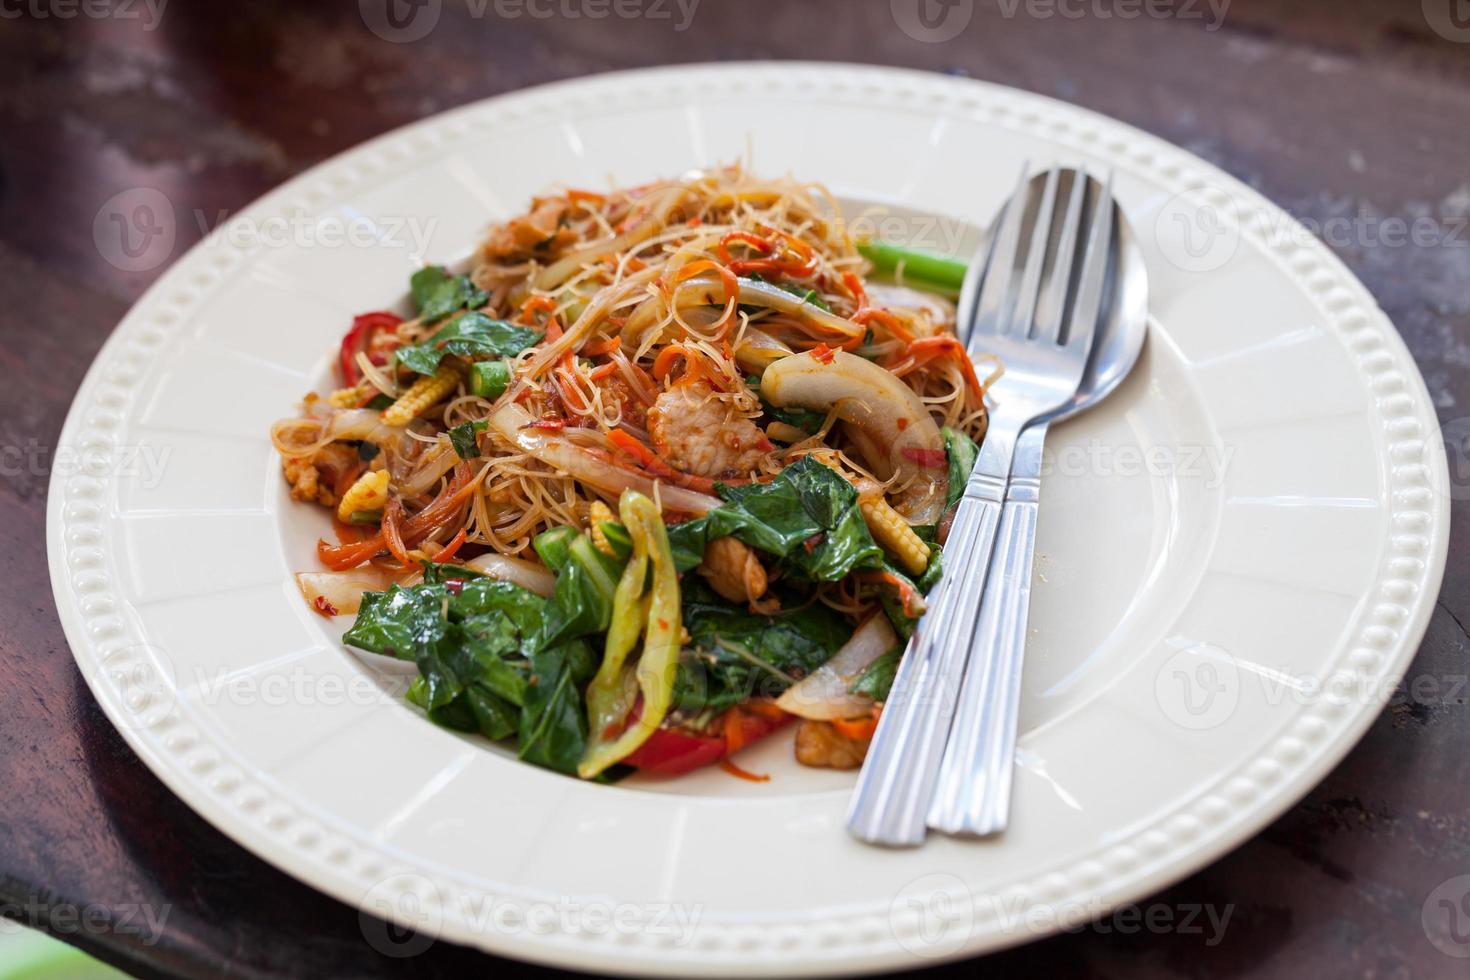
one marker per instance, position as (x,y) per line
(666,469)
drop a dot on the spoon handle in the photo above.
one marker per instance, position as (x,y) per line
(973,792)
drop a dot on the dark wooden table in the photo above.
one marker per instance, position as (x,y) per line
(1333,108)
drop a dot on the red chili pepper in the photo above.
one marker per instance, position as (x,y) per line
(674,752)
(822,353)
(324,606)
(357,341)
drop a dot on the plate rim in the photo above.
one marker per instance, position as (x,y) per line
(1389,632)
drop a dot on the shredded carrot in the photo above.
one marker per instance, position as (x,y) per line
(913,603)
(600,347)
(343,557)
(602,370)
(647,460)
(926,349)
(579,196)
(894,325)
(392,533)
(536,304)
(447,552)
(857,729)
(736,771)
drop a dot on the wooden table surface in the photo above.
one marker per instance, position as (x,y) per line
(1345,109)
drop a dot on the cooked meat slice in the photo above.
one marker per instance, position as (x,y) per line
(314,478)
(698,433)
(820,745)
(539,232)
(733,570)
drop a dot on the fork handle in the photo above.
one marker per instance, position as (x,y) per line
(973,792)
(891,801)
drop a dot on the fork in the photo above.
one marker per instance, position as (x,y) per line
(1021,315)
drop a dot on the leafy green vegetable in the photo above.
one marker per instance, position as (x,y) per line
(436,293)
(485,662)
(962,452)
(808,517)
(890,597)
(583,601)
(553,730)
(463,438)
(469,335)
(876,680)
(741,654)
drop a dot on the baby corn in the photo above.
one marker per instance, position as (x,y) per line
(895,535)
(368,495)
(423,395)
(598,513)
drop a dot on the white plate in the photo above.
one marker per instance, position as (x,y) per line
(1211,635)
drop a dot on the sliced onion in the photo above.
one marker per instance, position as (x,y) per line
(529,575)
(887,421)
(428,470)
(709,290)
(364,424)
(756,350)
(512,423)
(340,593)
(938,309)
(823,695)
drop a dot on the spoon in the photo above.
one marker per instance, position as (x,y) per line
(974,788)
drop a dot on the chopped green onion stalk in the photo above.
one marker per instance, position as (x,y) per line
(489,379)
(923,268)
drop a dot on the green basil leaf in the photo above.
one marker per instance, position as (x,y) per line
(462,436)
(470,335)
(808,517)
(436,293)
